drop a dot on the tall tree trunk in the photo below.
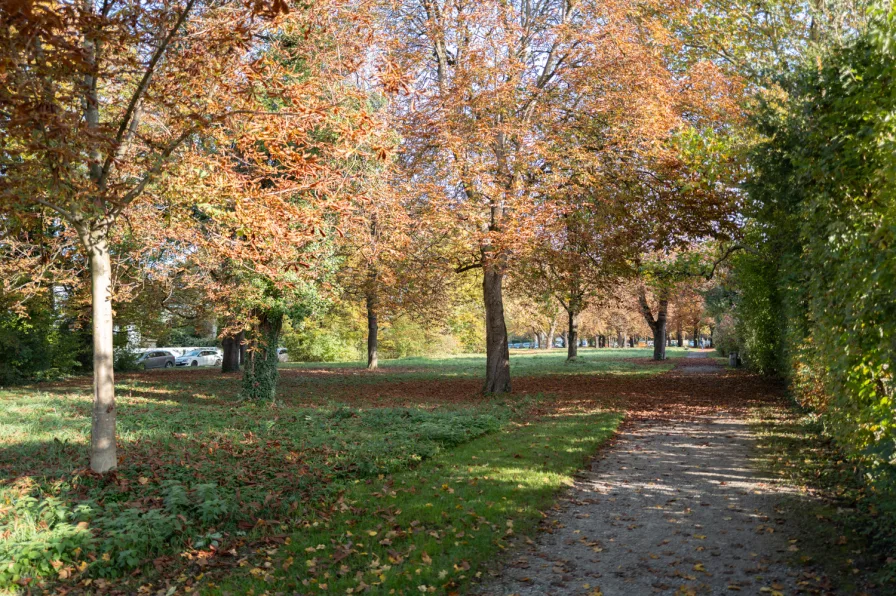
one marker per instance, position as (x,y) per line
(572,346)
(696,333)
(679,335)
(658,325)
(231,345)
(244,349)
(551,335)
(620,340)
(712,331)
(372,329)
(497,367)
(659,334)
(103,457)
(260,373)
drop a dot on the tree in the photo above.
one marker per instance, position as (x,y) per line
(98,101)
(391,260)
(489,90)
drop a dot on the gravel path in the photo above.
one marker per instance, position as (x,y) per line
(672,508)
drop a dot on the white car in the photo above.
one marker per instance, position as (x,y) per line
(206,357)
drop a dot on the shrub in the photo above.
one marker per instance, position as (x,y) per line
(818,285)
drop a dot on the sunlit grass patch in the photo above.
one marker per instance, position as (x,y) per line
(195,476)
(434,528)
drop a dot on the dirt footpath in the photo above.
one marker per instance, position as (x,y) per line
(672,508)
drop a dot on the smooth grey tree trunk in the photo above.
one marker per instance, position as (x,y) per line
(572,344)
(103,456)
(372,330)
(497,367)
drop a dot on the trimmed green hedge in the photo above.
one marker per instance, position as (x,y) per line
(818,286)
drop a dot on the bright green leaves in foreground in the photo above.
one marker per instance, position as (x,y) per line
(431,529)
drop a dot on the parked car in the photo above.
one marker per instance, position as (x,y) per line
(282,355)
(203,357)
(155,359)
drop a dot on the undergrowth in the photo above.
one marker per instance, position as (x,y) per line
(849,534)
(197,487)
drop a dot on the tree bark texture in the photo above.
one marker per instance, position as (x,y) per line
(497,371)
(260,373)
(572,346)
(657,325)
(372,329)
(103,456)
(679,335)
(231,346)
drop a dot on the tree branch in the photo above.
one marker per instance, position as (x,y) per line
(463,268)
(131,110)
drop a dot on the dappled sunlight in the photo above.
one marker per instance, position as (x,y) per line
(671,507)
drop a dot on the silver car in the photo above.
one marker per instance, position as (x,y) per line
(206,357)
(155,359)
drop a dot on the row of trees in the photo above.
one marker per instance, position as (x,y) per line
(249,160)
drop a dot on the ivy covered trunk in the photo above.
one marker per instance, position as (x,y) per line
(497,372)
(260,373)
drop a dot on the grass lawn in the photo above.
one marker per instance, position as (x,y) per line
(433,528)
(206,481)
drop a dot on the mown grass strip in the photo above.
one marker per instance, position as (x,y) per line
(434,528)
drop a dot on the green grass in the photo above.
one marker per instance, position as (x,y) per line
(433,528)
(200,470)
(196,476)
(522,363)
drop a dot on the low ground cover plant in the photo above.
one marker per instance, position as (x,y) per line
(196,486)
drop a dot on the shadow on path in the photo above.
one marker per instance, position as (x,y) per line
(672,508)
